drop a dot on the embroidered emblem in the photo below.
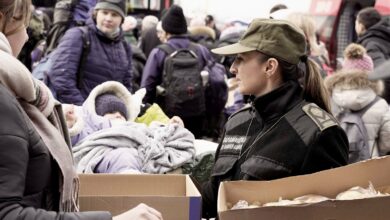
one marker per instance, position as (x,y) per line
(322,119)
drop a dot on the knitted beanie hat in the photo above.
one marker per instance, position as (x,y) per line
(174,21)
(108,103)
(118,6)
(356,58)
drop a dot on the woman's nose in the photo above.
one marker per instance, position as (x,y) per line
(233,69)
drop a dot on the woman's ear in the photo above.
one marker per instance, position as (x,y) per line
(271,67)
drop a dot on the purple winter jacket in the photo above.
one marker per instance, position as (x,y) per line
(108,59)
(153,70)
(83,10)
(89,123)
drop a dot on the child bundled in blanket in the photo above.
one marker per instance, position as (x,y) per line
(113,132)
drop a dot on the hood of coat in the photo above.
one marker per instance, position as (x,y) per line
(352,89)
(13,74)
(379,30)
(132,102)
(203,31)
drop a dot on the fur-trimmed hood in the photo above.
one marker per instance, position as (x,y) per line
(202,30)
(132,102)
(352,80)
(352,89)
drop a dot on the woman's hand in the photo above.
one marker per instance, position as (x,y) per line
(140,212)
(70,115)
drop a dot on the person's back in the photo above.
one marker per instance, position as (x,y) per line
(374,34)
(356,99)
(109,58)
(351,91)
(175,26)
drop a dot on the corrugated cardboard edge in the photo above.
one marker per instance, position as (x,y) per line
(327,183)
(195,200)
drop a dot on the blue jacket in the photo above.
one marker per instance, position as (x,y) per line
(82,10)
(152,74)
(108,59)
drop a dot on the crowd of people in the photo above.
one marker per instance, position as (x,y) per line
(284,113)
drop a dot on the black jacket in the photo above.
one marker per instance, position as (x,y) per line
(376,40)
(281,135)
(29,177)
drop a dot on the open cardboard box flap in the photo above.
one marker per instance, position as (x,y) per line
(175,196)
(326,183)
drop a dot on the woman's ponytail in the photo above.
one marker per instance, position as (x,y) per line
(314,89)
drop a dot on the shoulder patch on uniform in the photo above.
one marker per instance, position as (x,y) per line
(322,119)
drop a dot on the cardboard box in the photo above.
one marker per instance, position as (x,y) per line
(326,183)
(175,196)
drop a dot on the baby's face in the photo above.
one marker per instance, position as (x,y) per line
(114,116)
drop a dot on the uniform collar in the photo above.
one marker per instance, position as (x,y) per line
(277,102)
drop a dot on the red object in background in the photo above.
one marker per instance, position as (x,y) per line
(167,4)
(383,6)
(325,7)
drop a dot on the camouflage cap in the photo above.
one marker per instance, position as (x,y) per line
(278,38)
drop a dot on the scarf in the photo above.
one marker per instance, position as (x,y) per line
(50,131)
(39,105)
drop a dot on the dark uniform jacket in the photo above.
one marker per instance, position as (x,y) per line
(281,135)
(29,176)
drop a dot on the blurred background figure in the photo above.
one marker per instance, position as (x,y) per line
(149,38)
(129,25)
(210,22)
(201,34)
(315,49)
(354,97)
(374,34)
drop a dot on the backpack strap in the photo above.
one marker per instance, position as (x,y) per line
(166,48)
(193,46)
(363,110)
(84,55)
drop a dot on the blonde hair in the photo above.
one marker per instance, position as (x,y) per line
(308,26)
(19,10)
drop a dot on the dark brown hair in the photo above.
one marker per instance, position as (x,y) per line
(368,17)
(309,77)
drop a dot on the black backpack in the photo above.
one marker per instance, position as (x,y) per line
(182,92)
